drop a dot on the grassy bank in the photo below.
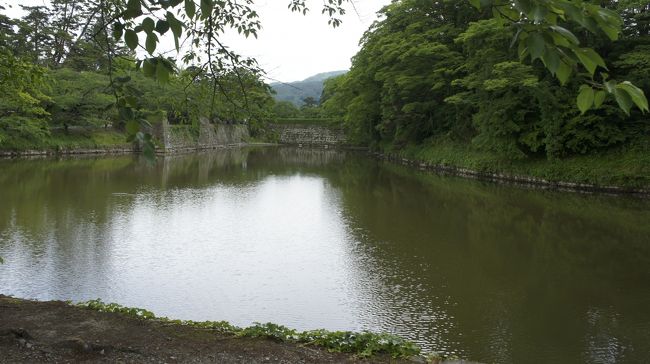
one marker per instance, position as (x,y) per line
(364,344)
(74,139)
(627,167)
(34,332)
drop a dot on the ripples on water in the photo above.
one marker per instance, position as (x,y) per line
(326,239)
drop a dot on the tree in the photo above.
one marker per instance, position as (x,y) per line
(543,32)
(333,97)
(80,98)
(308,102)
(431,70)
(21,111)
(7,34)
(77,27)
(34,37)
(285,109)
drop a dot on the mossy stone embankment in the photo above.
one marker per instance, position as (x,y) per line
(619,170)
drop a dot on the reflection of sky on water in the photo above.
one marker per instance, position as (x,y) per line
(275,250)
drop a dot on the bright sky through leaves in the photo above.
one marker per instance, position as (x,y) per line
(291,46)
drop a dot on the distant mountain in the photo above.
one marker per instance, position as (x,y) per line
(312,86)
(321,77)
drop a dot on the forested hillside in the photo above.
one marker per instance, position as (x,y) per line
(297,92)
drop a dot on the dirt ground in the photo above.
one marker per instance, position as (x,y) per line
(44,332)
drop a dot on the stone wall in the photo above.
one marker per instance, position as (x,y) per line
(209,136)
(310,134)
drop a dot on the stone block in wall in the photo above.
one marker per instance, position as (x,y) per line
(310,134)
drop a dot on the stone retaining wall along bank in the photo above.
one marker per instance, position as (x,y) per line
(320,135)
(175,138)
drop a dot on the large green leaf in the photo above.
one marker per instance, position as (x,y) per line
(536,45)
(176,26)
(551,59)
(539,13)
(151,42)
(190,8)
(585,98)
(636,94)
(623,99)
(133,9)
(126,113)
(206,8)
(599,98)
(148,24)
(131,39)
(609,22)
(563,72)
(565,33)
(162,26)
(118,30)
(590,59)
(132,127)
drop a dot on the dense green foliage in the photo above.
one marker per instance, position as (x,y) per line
(363,344)
(431,71)
(541,29)
(63,75)
(426,69)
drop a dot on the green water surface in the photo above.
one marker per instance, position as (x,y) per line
(330,239)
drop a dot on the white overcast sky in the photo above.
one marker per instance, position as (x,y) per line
(291,46)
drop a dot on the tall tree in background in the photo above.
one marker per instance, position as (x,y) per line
(34,36)
(71,20)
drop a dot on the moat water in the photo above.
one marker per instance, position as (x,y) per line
(329,239)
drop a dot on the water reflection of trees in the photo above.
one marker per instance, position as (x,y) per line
(517,269)
(33,190)
(57,211)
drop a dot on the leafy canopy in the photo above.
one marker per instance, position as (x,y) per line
(542,32)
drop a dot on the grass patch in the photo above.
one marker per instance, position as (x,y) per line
(624,166)
(363,344)
(77,139)
(94,139)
